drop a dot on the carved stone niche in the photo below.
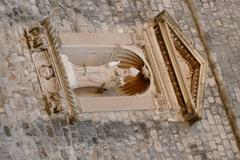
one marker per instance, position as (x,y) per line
(171,78)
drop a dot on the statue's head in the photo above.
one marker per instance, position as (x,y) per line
(131,72)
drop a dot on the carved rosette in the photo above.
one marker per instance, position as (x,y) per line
(44,43)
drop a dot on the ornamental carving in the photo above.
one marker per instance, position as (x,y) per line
(43,43)
(170,70)
(192,70)
(185,66)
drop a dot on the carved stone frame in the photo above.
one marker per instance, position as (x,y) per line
(162,38)
(43,40)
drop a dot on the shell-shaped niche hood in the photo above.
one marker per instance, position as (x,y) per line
(134,85)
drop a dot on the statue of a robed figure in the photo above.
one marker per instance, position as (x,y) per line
(105,76)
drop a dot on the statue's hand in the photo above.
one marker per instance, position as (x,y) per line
(120,81)
(112,64)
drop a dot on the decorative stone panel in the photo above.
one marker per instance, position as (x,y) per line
(171,79)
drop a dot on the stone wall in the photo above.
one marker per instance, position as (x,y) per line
(26,132)
(220,25)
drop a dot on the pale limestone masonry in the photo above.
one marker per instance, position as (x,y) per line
(27,133)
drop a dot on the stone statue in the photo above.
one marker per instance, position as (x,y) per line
(105,76)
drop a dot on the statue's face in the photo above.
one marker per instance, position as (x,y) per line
(126,72)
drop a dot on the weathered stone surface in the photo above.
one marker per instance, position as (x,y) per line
(7,131)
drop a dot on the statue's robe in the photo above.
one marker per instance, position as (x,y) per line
(105,76)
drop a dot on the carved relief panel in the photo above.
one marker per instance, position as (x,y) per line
(43,43)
